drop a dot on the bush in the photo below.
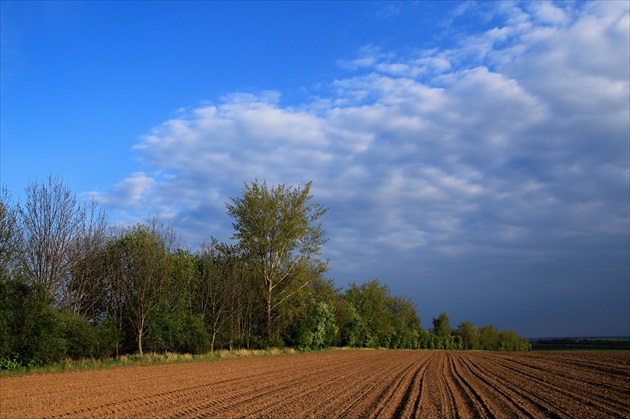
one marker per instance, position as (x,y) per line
(315,330)
(175,330)
(34,326)
(81,339)
(10,363)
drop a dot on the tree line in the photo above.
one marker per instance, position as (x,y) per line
(74,286)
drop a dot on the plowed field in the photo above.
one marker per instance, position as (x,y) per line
(427,384)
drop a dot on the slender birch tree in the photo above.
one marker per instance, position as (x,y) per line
(281,233)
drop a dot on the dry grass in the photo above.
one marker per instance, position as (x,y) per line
(147,359)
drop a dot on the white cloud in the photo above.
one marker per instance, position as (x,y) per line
(506,144)
(128,193)
(547,13)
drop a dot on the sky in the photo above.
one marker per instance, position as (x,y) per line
(474,156)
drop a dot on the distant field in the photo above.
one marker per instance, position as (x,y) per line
(364,383)
(594,344)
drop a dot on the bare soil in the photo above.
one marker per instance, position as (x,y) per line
(427,384)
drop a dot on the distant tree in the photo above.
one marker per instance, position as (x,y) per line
(489,338)
(174,325)
(73,287)
(405,321)
(9,233)
(220,269)
(315,329)
(370,299)
(50,222)
(325,327)
(469,335)
(110,296)
(510,341)
(244,303)
(142,270)
(84,284)
(423,339)
(351,326)
(280,232)
(31,333)
(442,327)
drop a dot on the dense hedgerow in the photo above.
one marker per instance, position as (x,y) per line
(74,287)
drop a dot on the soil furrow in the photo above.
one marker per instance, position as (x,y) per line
(476,405)
(509,396)
(377,378)
(575,374)
(401,384)
(567,390)
(263,386)
(407,395)
(394,394)
(432,402)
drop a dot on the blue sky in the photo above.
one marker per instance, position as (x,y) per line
(474,155)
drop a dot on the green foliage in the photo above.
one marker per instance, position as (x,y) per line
(510,341)
(173,325)
(353,331)
(370,300)
(442,326)
(375,318)
(10,363)
(142,272)
(280,232)
(457,343)
(176,331)
(35,327)
(107,293)
(35,333)
(406,323)
(315,330)
(7,313)
(469,335)
(489,338)
(326,328)
(81,339)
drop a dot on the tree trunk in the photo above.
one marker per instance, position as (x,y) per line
(269,313)
(140,331)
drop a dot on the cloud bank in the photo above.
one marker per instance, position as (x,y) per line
(470,178)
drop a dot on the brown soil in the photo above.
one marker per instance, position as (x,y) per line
(427,384)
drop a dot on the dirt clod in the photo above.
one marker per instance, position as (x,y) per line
(427,384)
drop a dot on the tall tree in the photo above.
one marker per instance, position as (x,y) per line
(110,296)
(510,341)
(9,233)
(219,271)
(469,333)
(370,299)
(405,321)
(489,338)
(442,327)
(50,221)
(280,232)
(142,270)
(174,325)
(84,283)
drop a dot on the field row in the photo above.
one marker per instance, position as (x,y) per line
(338,384)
